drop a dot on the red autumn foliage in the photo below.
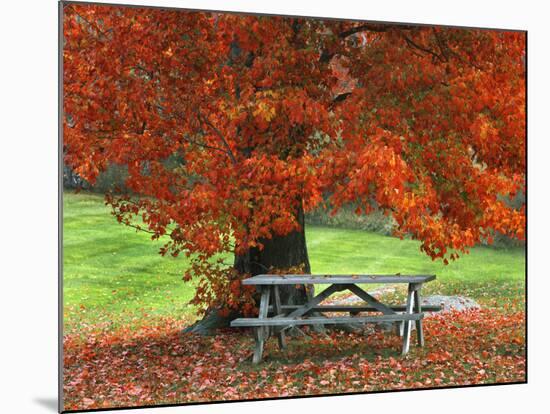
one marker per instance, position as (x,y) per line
(228,122)
(158,365)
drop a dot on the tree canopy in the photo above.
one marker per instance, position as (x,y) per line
(229,123)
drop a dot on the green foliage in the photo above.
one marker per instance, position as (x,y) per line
(501,241)
(112,179)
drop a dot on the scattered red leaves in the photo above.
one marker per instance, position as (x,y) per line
(159,365)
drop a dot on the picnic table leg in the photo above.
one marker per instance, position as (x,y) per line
(278,311)
(418,309)
(399,328)
(407,324)
(260,334)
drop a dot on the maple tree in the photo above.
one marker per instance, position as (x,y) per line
(232,126)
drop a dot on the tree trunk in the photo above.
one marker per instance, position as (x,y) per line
(279,252)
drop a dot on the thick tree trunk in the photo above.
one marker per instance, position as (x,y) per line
(279,252)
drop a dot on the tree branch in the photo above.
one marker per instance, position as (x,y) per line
(137,227)
(200,144)
(220,135)
(90,24)
(412,44)
(443,47)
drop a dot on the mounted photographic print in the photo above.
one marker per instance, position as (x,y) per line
(263,206)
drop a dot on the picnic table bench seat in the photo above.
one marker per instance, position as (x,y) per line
(322,321)
(353,309)
(286,316)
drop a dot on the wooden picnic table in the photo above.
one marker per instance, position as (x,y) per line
(284,316)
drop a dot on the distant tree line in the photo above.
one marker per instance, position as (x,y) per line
(110,180)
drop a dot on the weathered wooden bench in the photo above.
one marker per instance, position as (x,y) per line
(285,316)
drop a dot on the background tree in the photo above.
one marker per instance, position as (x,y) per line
(232,126)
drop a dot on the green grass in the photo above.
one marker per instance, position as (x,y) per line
(114,274)
(485,273)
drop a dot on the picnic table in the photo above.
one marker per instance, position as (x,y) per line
(284,316)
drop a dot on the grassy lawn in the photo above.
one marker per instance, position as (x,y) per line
(113,274)
(491,276)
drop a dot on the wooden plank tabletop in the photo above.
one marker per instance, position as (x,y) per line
(334,279)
